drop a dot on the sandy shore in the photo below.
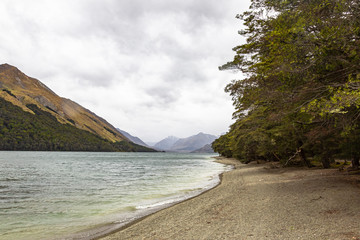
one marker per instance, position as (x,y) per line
(256,201)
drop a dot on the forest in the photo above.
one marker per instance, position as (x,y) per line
(299,96)
(24,131)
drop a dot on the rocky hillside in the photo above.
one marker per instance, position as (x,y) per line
(132,138)
(22,90)
(33,117)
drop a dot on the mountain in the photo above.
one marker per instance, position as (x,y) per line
(205,149)
(190,144)
(132,138)
(166,143)
(33,117)
(151,144)
(193,143)
(21,90)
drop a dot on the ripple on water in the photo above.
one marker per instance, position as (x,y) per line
(58,193)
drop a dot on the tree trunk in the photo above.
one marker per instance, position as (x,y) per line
(325,160)
(304,159)
(355,162)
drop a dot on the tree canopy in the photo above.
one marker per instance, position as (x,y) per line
(301,90)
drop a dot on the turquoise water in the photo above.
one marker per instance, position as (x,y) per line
(67,195)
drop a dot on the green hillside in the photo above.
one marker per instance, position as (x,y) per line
(22,90)
(20,130)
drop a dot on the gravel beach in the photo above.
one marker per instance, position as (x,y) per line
(257,201)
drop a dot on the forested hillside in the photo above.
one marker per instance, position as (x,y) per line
(22,90)
(300,96)
(20,130)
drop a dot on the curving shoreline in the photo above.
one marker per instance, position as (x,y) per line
(258,202)
(108,229)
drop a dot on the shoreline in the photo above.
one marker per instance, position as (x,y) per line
(102,230)
(256,202)
(111,231)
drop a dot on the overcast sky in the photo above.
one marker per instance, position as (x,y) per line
(149,67)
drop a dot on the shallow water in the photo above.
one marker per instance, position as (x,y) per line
(56,195)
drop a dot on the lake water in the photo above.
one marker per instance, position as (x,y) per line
(79,195)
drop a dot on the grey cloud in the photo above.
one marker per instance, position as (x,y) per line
(150,57)
(185,71)
(124,18)
(124,21)
(100,78)
(162,97)
(134,8)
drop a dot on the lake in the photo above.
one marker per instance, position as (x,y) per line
(66,195)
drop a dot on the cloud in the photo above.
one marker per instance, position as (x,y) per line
(148,67)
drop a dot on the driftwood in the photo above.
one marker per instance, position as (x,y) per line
(292,157)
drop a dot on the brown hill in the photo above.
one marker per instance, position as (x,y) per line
(20,90)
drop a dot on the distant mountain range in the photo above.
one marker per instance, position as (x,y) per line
(166,143)
(205,149)
(197,143)
(132,138)
(33,117)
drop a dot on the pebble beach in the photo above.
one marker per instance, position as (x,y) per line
(260,201)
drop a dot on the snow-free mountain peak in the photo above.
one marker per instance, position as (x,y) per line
(188,144)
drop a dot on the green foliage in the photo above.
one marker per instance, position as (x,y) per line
(222,146)
(301,92)
(21,130)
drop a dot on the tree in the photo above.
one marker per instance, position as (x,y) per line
(301,93)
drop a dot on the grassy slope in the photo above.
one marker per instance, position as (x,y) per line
(21,130)
(25,90)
